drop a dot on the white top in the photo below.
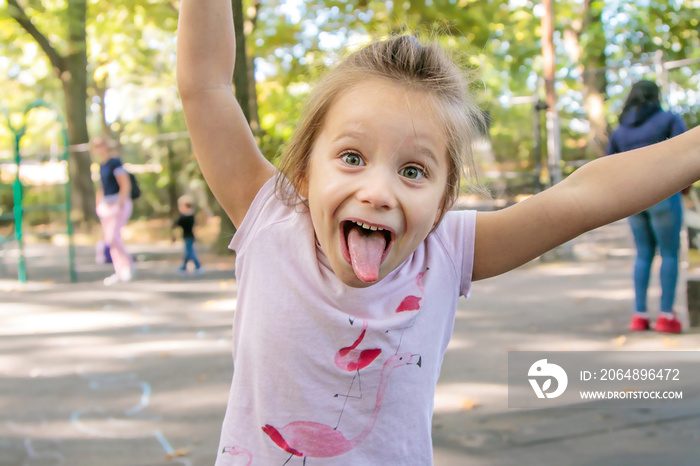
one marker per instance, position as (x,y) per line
(330,372)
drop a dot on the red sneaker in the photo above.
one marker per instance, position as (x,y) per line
(665,325)
(639,324)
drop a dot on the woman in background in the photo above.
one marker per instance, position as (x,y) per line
(642,123)
(113,208)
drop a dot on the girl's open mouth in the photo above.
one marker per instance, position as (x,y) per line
(364,247)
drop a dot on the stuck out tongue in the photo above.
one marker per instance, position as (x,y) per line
(366,250)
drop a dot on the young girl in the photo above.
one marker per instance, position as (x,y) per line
(349,265)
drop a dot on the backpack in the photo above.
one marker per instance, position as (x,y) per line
(135,190)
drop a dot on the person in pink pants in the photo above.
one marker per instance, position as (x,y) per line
(114,209)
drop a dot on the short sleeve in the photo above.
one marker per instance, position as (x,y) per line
(251,220)
(117,167)
(456,233)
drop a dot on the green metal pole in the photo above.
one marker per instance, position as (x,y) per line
(69,222)
(17,197)
(17,191)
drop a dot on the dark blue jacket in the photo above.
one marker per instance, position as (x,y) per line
(643,126)
(108,170)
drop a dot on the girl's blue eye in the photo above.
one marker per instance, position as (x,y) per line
(352,158)
(412,172)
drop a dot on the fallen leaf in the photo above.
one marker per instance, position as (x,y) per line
(178,452)
(620,341)
(670,342)
(469,404)
(202,377)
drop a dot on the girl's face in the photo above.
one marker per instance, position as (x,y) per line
(376,179)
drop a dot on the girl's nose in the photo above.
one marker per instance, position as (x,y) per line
(377,190)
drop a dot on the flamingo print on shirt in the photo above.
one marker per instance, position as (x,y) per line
(411,303)
(352,359)
(236,450)
(315,440)
(310,439)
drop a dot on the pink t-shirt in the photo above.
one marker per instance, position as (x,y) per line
(331,372)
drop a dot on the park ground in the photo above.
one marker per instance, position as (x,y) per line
(137,374)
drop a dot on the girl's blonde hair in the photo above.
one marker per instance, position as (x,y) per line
(402,60)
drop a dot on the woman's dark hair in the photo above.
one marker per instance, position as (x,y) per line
(643,93)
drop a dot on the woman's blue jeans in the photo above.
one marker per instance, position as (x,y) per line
(658,226)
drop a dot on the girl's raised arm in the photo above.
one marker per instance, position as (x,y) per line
(223,142)
(600,192)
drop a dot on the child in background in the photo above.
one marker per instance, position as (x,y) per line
(185,221)
(349,261)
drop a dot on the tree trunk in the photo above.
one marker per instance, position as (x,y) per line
(248,27)
(226,232)
(586,42)
(242,86)
(74,79)
(594,79)
(552,116)
(240,71)
(594,85)
(254,119)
